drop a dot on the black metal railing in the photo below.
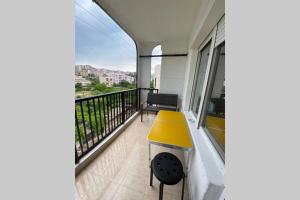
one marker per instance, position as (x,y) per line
(97,117)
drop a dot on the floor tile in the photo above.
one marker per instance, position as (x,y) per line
(122,170)
(124,193)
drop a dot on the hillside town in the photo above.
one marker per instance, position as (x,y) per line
(83,74)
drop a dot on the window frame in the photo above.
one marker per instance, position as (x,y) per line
(208,92)
(207,88)
(210,38)
(196,77)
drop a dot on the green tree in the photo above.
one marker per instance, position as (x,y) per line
(78,87)
(100,87)
(94,80)
(152,83)
(124,84)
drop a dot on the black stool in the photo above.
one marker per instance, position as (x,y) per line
(168,169)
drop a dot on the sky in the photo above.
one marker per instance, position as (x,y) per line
(99,41)
(155,60)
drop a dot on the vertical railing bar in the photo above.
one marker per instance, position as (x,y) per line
(139,99)
(84,128)
(117,108)
(100,118)
(104,116)
(133,101)
(119,113)
(136,100)
(117,104)
(123,106)
(127,106)
(76,156)
(78,130)
(111,113)
(89,111)
(95,113)
(125,109)
(115,116)
(108,114)
(129,100)
(120,107)
(130,106)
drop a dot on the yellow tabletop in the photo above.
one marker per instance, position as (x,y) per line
(216,126)
(170,128)
(171,116)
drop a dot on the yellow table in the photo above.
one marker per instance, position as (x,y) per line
(170,130)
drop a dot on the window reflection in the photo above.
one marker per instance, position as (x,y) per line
(215,118)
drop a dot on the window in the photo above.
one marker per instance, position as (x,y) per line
(155,68)
(214,114)
(199,78)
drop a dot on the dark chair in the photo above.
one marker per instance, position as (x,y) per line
(157,102)
(168,169)
(219,107)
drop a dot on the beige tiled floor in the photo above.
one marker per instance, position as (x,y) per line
(121,172)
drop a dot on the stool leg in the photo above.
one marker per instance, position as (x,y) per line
(161,191)
(182,193)
(151,176)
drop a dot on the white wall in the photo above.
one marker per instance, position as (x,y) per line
(172,76)
(173,69)
(206,178)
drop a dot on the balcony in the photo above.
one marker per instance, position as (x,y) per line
(111,151)
(122,171)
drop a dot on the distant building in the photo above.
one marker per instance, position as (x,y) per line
(111,77)
(106,76)
(156,78)
(83,81)
(108,81)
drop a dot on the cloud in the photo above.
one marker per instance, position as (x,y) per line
(99,41)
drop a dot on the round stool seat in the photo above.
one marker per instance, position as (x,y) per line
(167,168)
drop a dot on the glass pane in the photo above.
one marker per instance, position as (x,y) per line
(215,118)
(202,65)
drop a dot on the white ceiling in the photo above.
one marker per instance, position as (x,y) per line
(154,20)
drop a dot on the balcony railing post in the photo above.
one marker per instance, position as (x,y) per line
(136,99)
(76,156)
(139,103)
(123,107)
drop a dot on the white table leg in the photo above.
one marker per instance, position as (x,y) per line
(188,165)
(149,155)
